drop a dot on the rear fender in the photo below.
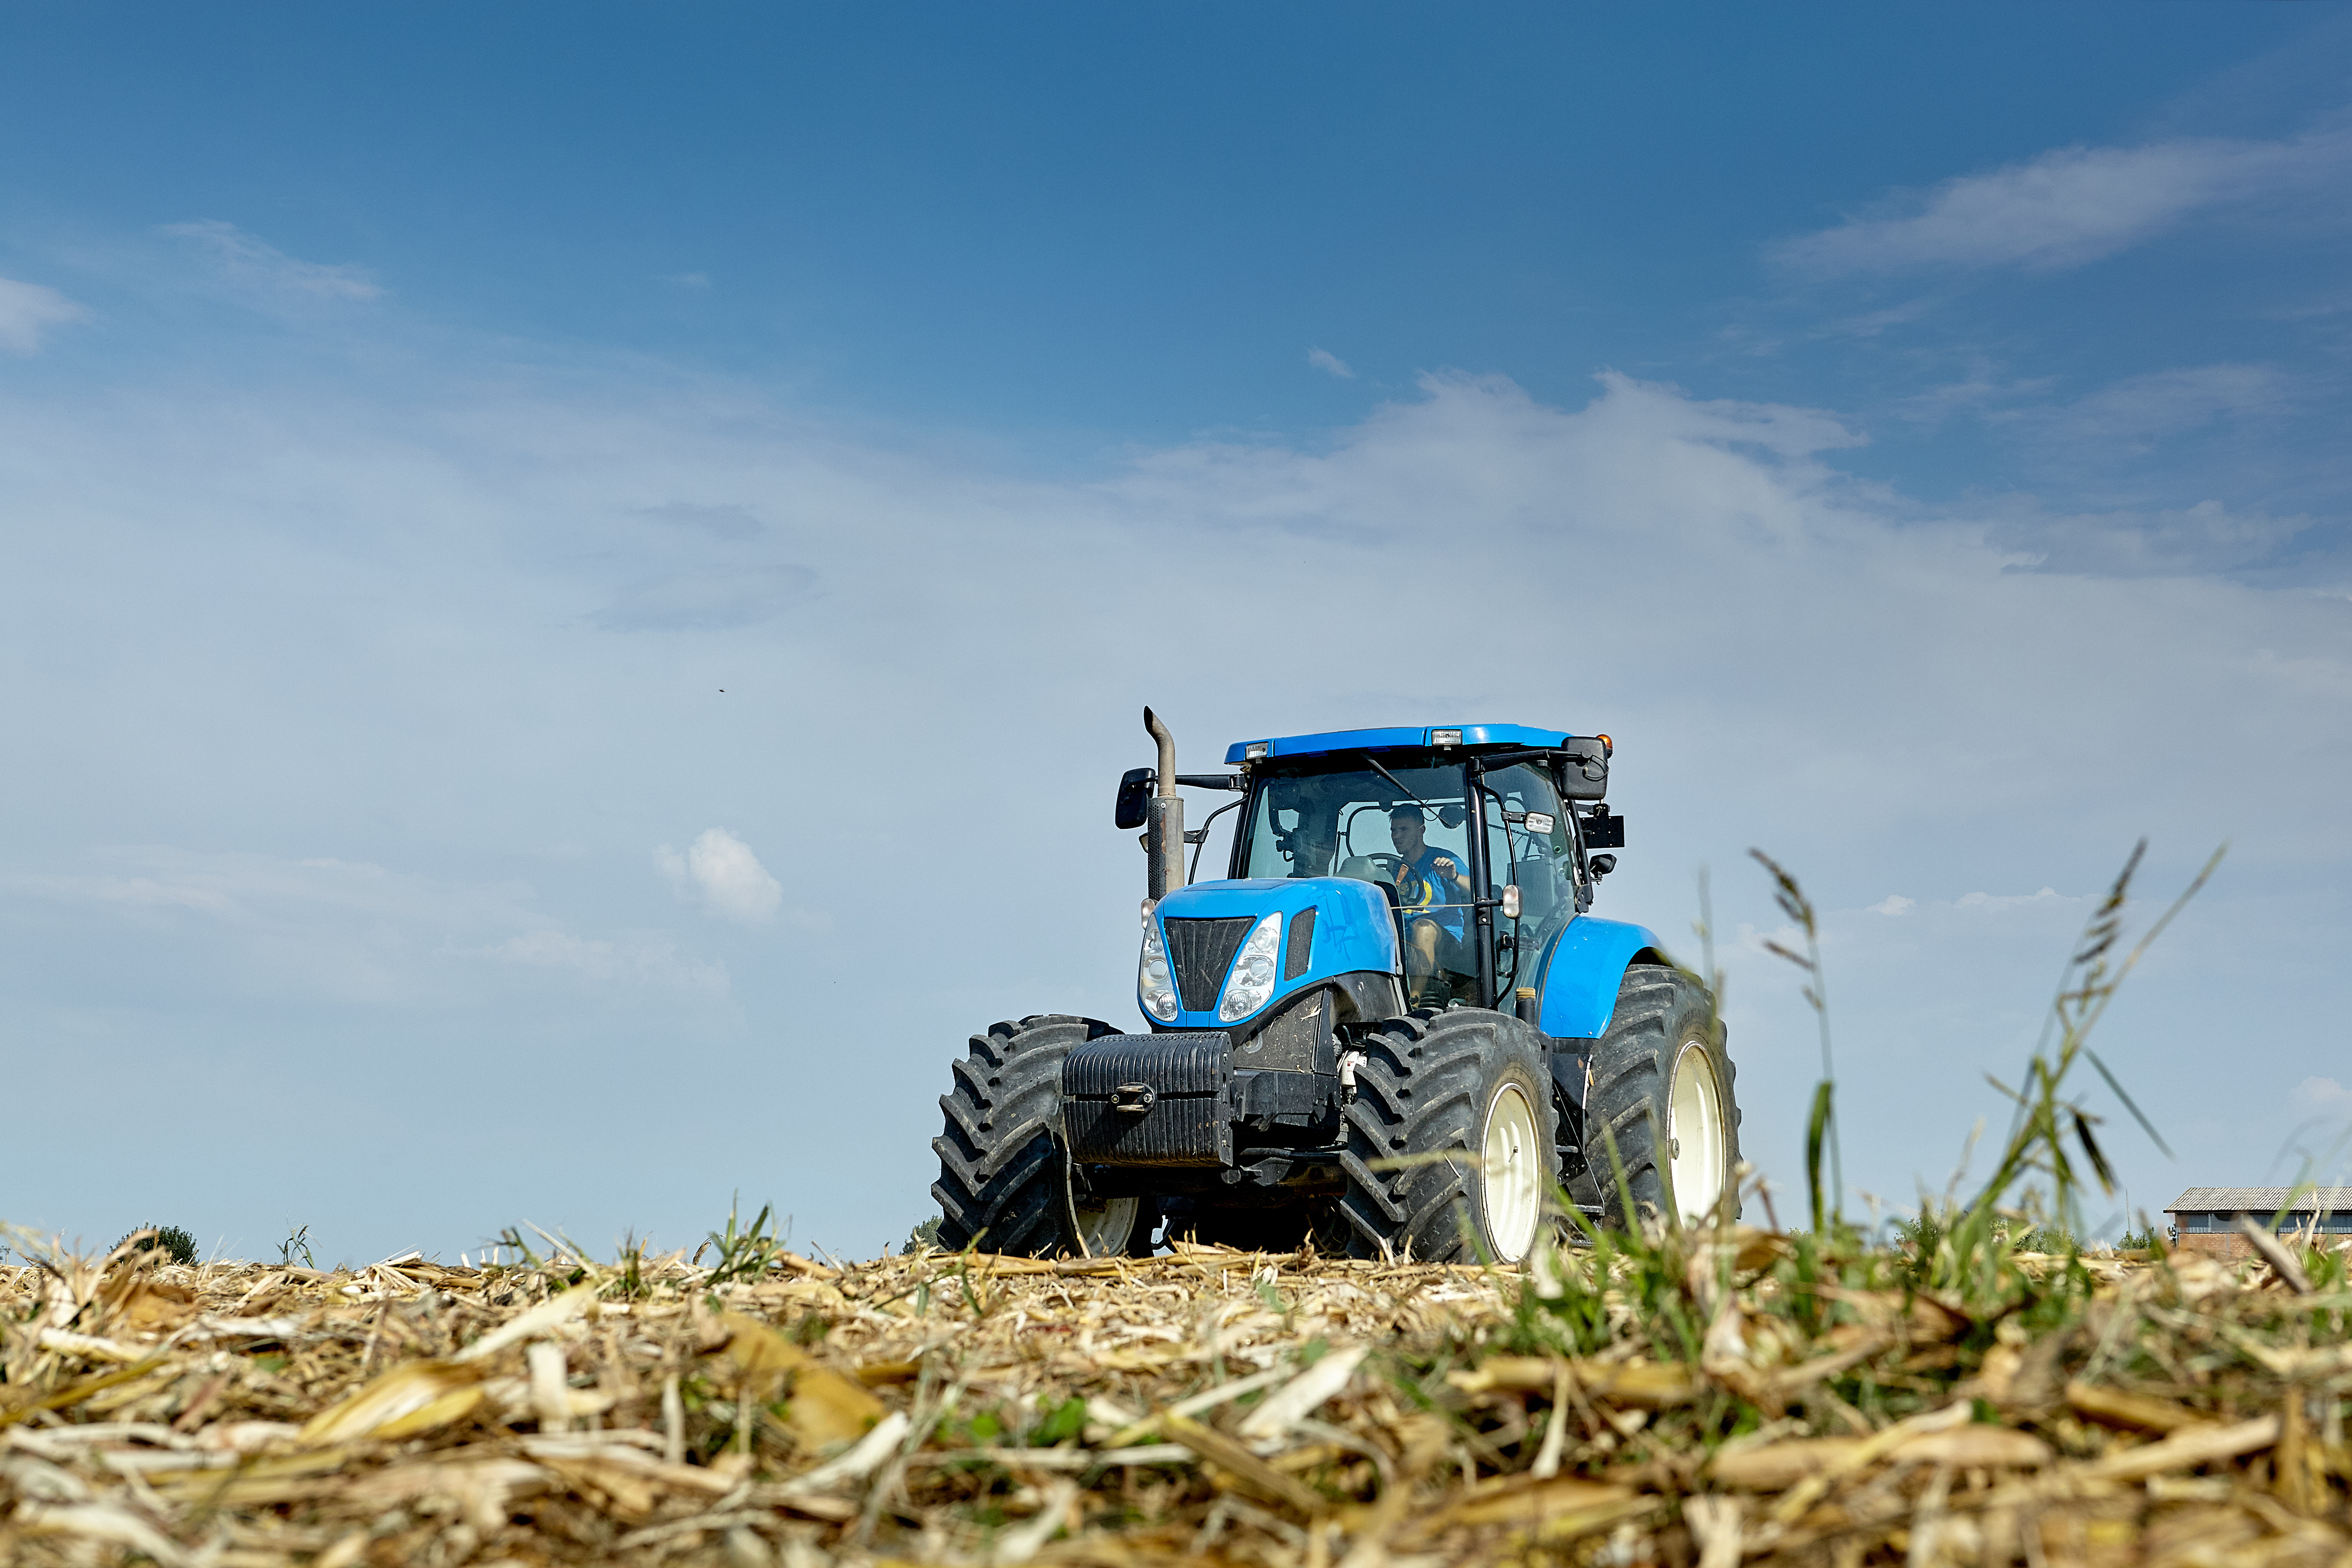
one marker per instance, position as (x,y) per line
(1583,971)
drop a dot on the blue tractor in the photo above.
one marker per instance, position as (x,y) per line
(1392,1027)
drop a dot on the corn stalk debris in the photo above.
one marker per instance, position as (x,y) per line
(1700,1398)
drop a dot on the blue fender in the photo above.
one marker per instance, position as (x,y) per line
(1583,971)
(1353,931)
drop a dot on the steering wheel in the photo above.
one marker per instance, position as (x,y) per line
(1387,866)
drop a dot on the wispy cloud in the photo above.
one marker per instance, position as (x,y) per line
(1982,388)
(714,600)
(2180,541)
(27,312)
(1325,360)
(261,269)
(733,523)
(646,960)
(348,929)
(2066,207)
(2140,410)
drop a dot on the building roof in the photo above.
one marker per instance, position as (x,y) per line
(2262,1200)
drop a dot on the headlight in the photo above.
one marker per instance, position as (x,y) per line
(1252,981)
(1152,987)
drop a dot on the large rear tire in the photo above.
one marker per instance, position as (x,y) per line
(1662,1088)
(1470,1085)
(1003,1180)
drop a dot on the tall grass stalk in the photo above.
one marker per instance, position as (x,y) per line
(1672,1290)
(2049,1130)
(1821,1125)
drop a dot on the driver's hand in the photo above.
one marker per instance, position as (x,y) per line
(1443,865)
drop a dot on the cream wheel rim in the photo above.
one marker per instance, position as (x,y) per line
(1511,1174)
(1697,1157)
(1105,1231)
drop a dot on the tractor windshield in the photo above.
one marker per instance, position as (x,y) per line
(1356,822)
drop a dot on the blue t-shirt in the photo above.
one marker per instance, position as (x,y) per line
(1427,893)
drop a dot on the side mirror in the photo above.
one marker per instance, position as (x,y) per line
(1602,865)
(1511,902)
(1583,770)
(1134,798)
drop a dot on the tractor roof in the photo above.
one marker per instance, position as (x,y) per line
(1395,740)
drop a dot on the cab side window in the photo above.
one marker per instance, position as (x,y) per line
(1529,845)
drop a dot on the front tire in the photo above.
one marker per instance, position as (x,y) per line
(1469,1085)
(1662,1088)
(1003,1180)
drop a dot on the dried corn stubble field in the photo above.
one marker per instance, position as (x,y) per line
(1741,1398)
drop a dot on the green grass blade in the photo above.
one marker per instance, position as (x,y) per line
(2144,1125)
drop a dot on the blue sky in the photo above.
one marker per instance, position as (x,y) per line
(1917,435)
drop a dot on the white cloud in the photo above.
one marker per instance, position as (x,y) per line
(2067,206)
(258,269)
(2322,1095)
(28,311)
(720,869)
(1892,904)
(1325,360)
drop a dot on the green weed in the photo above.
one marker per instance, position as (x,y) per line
(169,1240)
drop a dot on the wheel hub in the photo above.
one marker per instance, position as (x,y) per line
(1511,1174)
(1697,1163)
(1105,1230)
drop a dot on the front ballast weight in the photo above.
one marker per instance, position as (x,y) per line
(1393,1029)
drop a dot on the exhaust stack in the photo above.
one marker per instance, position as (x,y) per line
(1164,825)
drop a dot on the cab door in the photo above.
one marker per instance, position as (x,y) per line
(1530,845)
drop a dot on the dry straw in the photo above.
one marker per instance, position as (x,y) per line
(1703,1396)
(1711,1397)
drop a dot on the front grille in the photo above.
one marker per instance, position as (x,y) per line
(1201,952)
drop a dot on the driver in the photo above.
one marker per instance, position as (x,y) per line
(1432,893)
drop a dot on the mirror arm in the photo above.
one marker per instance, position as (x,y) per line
(1199,837)
(1493,761)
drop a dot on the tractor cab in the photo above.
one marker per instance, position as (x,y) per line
(1441,866)
(1476,864)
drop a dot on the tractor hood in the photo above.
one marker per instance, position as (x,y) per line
(1329,926)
